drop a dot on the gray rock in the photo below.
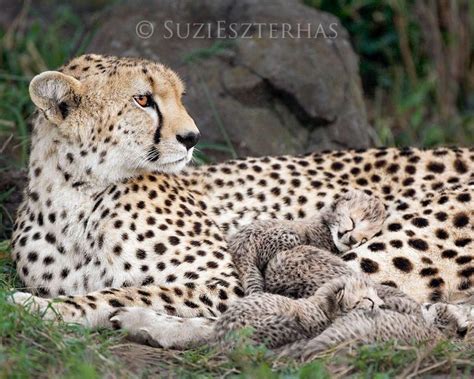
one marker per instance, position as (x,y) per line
(266,95)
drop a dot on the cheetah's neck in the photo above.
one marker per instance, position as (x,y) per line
(59,188)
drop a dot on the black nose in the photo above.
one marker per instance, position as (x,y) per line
(188,140)
(461,332)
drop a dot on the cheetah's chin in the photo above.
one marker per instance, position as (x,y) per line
(172,167)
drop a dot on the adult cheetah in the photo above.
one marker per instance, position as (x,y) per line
(109,220)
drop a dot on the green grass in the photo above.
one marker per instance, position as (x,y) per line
(27,49)
(406,100)
(32,347)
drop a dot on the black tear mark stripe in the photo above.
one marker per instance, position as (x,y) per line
(157,136)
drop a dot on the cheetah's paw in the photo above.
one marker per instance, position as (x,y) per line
(49,309)
(33,304)
(147,326)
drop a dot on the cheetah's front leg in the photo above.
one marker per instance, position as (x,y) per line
(91,310)
(95,309)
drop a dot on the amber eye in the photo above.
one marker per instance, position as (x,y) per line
(143,100)
(364,240)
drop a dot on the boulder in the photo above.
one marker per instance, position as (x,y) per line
(251,88)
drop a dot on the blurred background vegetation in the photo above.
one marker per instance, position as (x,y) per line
(416,64)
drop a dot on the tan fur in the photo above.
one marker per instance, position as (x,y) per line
(110,223)
(277,320)
(437,322)
(351,220)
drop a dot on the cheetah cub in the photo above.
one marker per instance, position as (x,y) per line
(277,320)
(300,272)
(348,222)
(437,321)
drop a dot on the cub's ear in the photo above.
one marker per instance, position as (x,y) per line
(55,94)
(340,294)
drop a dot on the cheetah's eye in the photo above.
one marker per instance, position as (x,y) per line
(143,100)
(364,240)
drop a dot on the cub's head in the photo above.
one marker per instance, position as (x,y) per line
(115,116)
(354,218)
(358,292)
(346,293)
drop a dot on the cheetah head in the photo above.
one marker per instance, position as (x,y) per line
(346,293)
(116,117)
(354,218)
(357,292)
(452,320)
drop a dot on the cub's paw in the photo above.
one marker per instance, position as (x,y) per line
(149,327)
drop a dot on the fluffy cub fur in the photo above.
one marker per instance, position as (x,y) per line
(277,320)
(435,322)
(348,222)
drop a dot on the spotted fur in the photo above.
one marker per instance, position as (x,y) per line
(107,221)
(350,221)
(435,322)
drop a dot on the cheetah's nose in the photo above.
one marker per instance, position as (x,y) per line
(188,140)
(461,332)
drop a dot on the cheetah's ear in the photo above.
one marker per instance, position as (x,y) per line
(54,93)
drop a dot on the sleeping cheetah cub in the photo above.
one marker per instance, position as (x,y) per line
(437,321)
(277,320)
(300,272)
(348,222)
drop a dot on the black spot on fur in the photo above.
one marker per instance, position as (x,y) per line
(402,264)
(115,303)
(394,227)
(349,256)
(460,220)
(396,244)
(376,246)
(369,266)
(449,253)
(429,271)
(390,284)
(442,234)
(460,166)
(420,222)
(436,167)
(418,244)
